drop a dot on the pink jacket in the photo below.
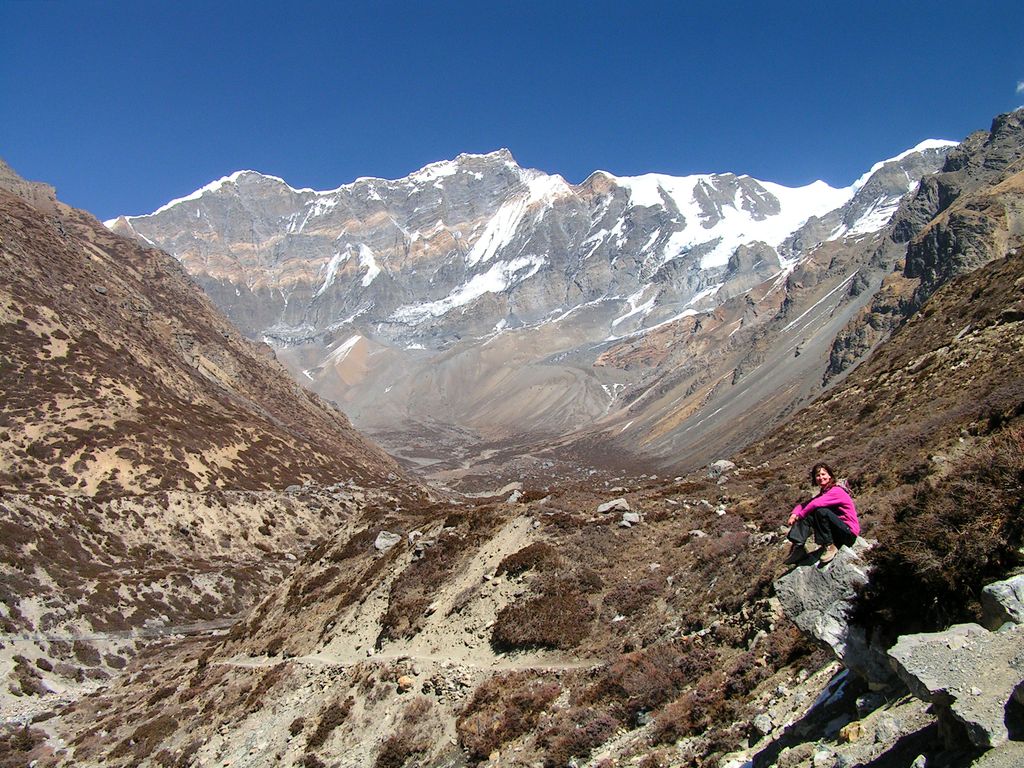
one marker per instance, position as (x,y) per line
(839,499)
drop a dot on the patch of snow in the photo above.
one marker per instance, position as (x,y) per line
(926,144)
(810,309)
(502,227)
(498,278)
(366,259)
(637,309)
(338,355)
(332,269)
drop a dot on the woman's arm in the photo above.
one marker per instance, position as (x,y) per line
(836,496)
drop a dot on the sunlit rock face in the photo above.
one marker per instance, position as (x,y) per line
(479,295)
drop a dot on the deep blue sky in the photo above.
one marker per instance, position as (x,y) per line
(125,105)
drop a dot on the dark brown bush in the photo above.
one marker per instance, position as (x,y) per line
(695,711)
(399,747)
(630,598)
(558,618)
(145,738)
(333,715)
(537,556)
(947,540)
(575,733)
(502,709)
(644,680)
(296,726)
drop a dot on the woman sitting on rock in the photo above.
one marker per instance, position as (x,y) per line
(831,515)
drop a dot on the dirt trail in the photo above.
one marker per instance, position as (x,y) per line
(535,661)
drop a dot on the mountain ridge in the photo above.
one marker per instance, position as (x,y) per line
(494,282)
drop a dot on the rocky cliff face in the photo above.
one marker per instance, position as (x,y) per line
(479,298)
(966,215)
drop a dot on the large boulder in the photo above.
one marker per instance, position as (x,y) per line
(819,602)
(719,468)
(1002,602)
(972,676)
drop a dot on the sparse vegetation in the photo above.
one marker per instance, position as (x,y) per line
(947,539)
(556,618)
(537,556)
(502,709)
(333,715)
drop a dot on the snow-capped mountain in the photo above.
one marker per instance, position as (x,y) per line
(448,295)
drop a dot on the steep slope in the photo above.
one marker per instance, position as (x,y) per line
(121,377)
(157,470)
(476,303)
(546,630)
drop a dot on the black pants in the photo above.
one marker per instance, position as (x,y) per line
(827,528)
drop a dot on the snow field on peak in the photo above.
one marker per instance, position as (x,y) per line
(924,145)
(499,277)
(502,227)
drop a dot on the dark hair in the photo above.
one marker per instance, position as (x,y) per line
(827,468)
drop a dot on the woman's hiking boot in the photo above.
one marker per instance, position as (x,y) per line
(797,552)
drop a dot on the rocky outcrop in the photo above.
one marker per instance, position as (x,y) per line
(1002,602)
(820,600)
(964,216)
(972,677)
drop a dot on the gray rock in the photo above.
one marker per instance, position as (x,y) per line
(819,600)
(1002,602)
(946,668)
(763,724)
(887,729)
(386,540)
(719,468)
(631,517)
(514,497)
(615,505)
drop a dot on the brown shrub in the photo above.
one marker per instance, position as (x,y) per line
(558,618)
(537,556)
(333,715)
(502,709)
(16,745)
(949,539)
(695,711)
(644,680)
(407,741)
(146,737)
(575,733)
(630,598)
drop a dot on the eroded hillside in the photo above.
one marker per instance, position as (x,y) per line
(158,472)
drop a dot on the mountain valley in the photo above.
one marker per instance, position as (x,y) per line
(206,564)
